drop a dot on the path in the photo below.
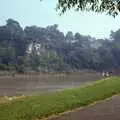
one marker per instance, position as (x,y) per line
(108,110)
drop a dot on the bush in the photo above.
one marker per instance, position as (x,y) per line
(3,67)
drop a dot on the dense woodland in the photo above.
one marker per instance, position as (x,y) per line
(48,49)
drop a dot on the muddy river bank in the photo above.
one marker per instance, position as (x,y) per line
(42,83)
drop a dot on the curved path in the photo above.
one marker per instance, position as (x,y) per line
(108,110)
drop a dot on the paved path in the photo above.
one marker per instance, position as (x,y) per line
(109,110)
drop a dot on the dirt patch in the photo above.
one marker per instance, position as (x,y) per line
(3,100)
(108,110)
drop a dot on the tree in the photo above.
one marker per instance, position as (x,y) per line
(34,59)
(69,37)
(7,55)
(111,7)
(20,64)
(50,61)
(16,37)
(48,49)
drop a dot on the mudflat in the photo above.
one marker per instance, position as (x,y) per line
(31,84)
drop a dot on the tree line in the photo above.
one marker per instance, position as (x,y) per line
(48,49)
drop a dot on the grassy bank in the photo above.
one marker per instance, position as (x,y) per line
(31,108)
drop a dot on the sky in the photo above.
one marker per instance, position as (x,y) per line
(34,12)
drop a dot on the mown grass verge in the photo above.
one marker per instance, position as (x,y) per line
(34,107)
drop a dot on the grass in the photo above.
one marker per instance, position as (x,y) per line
(34,107)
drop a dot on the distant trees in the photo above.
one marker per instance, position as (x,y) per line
(12,42)
(48,49)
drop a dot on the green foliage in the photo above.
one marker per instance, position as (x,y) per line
(45,105)
(3,67)
(20,64)
(111,7)
(34,60)
(52,60)
(51,50)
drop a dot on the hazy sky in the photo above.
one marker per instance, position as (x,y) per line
(34,12)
